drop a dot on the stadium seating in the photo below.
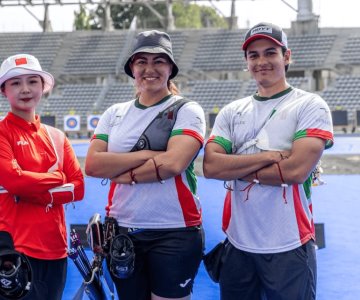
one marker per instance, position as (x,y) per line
(344,94)
(213,95)
(97,53)
(88,67)
(120,92)
(178,39)
(45,46)
(310,50)
(72,99)
(220,51)
(351,50)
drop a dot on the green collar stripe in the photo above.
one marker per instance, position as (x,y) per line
(278,95)
(139,105)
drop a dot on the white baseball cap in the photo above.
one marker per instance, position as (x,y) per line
(24,64)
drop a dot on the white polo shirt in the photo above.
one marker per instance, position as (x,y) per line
(266,222)
(173,204)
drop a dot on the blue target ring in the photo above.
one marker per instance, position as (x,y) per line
(72,122)
(93,122)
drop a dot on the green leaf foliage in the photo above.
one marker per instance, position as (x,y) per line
(186,16)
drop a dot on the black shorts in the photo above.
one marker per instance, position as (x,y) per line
(49,278)
(166,263)
(285,275)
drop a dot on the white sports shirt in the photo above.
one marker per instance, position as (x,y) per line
(173,204)
(268,222)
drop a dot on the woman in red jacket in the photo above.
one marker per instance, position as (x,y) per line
(39,173)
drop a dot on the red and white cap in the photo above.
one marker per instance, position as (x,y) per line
(268,31)
(25,64)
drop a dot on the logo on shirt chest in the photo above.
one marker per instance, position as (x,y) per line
(117,121)
(22,143)
(239,118)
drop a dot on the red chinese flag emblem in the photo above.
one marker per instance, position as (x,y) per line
(21,61)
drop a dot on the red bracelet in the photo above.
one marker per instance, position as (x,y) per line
(283,184)
(132,176)
(157,172)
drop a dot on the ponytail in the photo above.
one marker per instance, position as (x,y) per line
(173,88)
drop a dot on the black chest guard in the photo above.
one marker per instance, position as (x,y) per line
(156,135)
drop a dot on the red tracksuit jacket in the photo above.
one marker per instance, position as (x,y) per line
(34,159)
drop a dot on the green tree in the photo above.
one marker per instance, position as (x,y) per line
(82,19)
(186,16)
(210,18)
(122,15)
(195,16)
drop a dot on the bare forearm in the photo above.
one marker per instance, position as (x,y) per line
(109,165)
(270,175)
(228,166)
(296,169)
(181,151)
(148,172)
(287,171)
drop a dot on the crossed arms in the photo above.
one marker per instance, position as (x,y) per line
(296,168)
(118,167)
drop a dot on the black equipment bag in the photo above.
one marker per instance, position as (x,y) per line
(15,270)
(122,256)
(213,260)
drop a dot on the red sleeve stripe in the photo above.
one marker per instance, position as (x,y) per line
(314,132)
(210,139)
(189,132)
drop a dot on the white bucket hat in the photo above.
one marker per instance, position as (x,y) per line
(25,64)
